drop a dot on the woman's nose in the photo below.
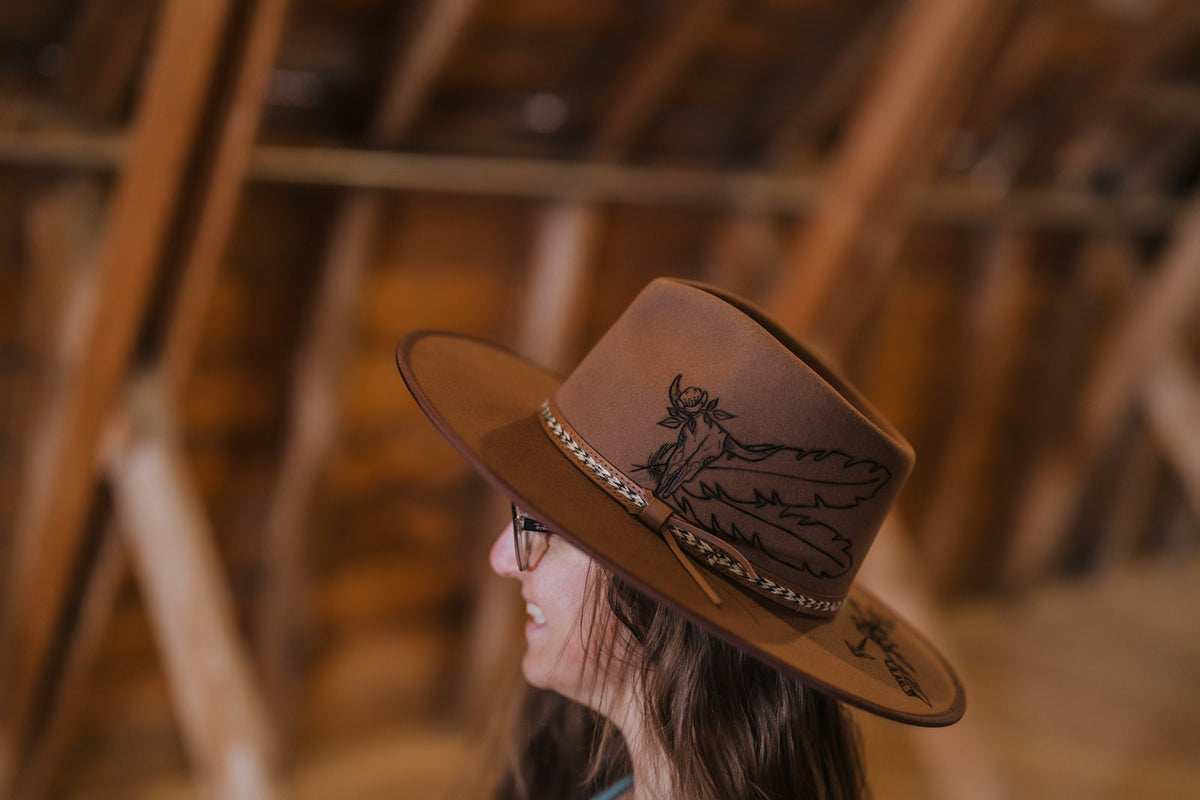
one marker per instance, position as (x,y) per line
(503,556)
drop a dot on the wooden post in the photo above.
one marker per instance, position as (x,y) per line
(57,494)
(171,547)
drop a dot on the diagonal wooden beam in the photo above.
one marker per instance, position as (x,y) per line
(217,203)
(222,192)
(418,62)
(1056,481)
(63,230)
(58,491)
(170,544)
(935,51)
(1172,399)
(313,417)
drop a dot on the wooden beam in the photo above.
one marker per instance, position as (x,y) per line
(64,228)
(923,81)
(992,335)
(57,495)
(946,203)
(652,73)
(557,284)
(1056,481)
(312,425)
(417,64)
(223,189)
(313,416)
(1172,398)
(217,204)
(170,543)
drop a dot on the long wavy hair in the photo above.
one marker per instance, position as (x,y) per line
(729,725)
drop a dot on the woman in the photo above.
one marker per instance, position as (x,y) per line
(691,505)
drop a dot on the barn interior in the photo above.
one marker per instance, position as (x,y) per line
(235,559)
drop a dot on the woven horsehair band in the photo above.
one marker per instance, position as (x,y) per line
(657,515)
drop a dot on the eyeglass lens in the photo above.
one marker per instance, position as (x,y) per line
(531,539)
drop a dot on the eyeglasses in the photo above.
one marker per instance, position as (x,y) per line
(531,539)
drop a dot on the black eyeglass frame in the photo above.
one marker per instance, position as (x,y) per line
(530,539)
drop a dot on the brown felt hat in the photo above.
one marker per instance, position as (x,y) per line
(702,454)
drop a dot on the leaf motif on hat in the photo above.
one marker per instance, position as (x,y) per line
(795,477)
(781,499)
(787,535)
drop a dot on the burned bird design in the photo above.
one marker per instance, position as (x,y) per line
(782,500)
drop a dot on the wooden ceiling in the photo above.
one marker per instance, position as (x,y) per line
(217,218)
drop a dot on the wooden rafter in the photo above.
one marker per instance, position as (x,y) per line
(1057,480)
(200,259)
(64,227)
(1172,399)
(234,141)
(223,719)
(313,419)
(418,62)
(924,78)
(58,493)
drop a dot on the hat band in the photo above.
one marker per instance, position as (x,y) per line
(713,551)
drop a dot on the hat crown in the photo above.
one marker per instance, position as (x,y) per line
(699,398)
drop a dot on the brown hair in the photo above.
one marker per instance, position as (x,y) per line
(730,726)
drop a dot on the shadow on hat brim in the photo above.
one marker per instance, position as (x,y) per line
(484,399)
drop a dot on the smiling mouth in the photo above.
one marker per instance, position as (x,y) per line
(535,613)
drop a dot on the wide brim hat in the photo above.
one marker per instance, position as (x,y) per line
(703,455)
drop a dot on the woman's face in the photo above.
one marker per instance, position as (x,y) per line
(555,623)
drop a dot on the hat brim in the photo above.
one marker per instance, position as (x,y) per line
(484,399)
